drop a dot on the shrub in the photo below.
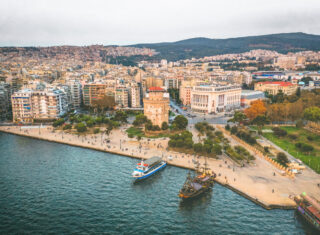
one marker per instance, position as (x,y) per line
(266,149)
(279,132)
(198,147)
(58,122)
(81,127)
(293,136)
(96,130)
(310,138)
(227,127)
(164,126)
(67,127)
(130,135)
(304,147)
(90,123)
(234,130)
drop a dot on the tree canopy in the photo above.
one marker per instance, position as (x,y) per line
(312,114)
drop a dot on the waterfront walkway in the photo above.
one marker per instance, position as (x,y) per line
(260,182)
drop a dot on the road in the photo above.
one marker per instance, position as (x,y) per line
(210,118)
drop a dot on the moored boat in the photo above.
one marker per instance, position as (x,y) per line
(309,209)
(148,167)
(198,184)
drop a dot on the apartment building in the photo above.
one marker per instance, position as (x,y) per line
(122,97)
(214,98)
(273,87)
(29,105)
(75,93)
(5,99)
(95,91)
(135,96)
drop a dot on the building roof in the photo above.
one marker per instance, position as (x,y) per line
(155,88)
(280,83)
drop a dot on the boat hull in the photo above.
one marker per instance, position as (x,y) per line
(154,171)
(195,194)
(302,213)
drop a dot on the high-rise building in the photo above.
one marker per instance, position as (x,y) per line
(5,99)
(122,97)
(28,105)
(95,91)
(134,94)
(156,106)
(75,93)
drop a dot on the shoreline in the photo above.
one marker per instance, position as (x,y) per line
(287,204)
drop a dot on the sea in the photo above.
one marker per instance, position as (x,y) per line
(51,188)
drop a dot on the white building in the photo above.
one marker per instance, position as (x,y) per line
(135,97)
(215,98)
(76,94)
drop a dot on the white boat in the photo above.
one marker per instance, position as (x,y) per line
(149,167)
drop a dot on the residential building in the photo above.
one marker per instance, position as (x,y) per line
(75,93)
(122,97)
(134,94)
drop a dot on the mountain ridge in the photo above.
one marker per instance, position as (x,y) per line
(201,46)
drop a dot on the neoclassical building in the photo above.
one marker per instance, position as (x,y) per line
(156,106)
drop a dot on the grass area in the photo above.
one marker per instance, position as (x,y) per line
(311,159)
(136,131)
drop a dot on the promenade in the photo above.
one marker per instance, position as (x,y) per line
(260,181)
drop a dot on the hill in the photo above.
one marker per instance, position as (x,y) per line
(200,47)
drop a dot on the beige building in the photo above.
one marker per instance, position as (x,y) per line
(135,96)
(95,91)
(273,88)
(156,106)
(28,105)
(215,98)
(122,97)
(153,82)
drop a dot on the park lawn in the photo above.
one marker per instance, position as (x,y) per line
(136,131)
(287,144)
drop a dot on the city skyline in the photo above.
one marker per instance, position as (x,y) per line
(48,23)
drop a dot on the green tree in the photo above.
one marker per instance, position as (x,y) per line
(81,127)
(164,126)
(181,122)
(282,158)
(312,114)
(96,130)
(140,119)
(260,121)
(238,117)
(198,147)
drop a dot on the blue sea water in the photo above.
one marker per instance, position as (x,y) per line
(50,188)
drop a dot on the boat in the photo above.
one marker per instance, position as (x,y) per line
(196,185)
(309,209)
(148,167)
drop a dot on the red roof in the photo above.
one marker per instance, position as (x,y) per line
(155,88)
(278,83)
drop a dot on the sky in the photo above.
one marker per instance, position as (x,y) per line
(125,22)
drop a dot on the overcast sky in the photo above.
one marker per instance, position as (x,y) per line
(122,22)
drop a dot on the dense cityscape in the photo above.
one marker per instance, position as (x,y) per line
(205,135)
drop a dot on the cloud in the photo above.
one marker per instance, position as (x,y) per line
(75,22)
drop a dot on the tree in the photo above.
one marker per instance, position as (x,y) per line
(298,92)
(67,127)
(257,108)
(96,130)
(58,122)
(81,127)
(282,158)
(140,119)
(181,122)
(198,147)
(312,114)
(164,126)
(105,102)
(217,149)
(238,117)
(121,116)
(260,121)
